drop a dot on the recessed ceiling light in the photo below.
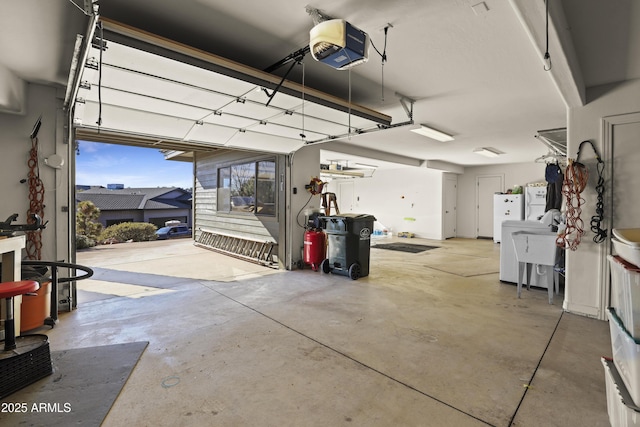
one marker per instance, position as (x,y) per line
(487,152)
(425,130)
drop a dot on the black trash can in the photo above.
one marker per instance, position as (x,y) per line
(349,237)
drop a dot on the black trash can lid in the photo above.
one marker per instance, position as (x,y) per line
(351,217)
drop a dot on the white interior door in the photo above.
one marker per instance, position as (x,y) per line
(345,196)
(626,180)
(487,186)
(450,203)
(622,199)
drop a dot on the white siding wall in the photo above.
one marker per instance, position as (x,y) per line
(205,200)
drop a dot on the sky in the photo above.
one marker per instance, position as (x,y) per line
(102,164)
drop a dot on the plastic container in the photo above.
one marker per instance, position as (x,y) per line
(35,308)
(630,236)
(626,355)
(349,237)
(621,412)
(625,293)
(629,252)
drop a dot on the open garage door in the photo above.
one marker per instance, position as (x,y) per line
(139,89)
(134,83)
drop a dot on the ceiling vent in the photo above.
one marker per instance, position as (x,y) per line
(339,44)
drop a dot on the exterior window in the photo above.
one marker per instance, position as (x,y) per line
(248,188)
(243,187)
(224,188)
(266,188)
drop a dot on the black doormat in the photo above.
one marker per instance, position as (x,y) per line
(404,247)
(84,384)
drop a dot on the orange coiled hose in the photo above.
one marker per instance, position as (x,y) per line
(36,203)
(575,181)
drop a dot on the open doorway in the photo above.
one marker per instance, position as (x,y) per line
(137,186)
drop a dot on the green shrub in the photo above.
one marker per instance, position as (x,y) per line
(84,242)
(135,231)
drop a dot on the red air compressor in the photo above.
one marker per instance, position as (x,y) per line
(314,248)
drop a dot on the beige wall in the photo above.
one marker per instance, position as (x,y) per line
(15,145)
(514,174)
(586,291)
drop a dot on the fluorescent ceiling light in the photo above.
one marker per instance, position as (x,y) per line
(364,165)
(432,133)
(487,152)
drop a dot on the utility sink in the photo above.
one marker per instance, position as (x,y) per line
(535,248)
(540,249)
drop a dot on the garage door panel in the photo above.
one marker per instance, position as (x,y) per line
(128,58)
(280,101)
(188,95)
(230,120)
(144,85)
(311,124)
(135,121)
(263,142)
(285,131)
(144,103)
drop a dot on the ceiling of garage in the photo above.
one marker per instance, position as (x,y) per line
(470,66)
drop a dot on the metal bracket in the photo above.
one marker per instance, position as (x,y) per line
(403,102)
(296,57)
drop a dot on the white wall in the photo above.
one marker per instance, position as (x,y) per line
(305,165)
(514,174)
(584,282)
(391,195)
(15,145)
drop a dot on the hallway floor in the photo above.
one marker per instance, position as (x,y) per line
(427,339)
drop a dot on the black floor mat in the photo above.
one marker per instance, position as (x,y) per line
(404,247)
(84,384)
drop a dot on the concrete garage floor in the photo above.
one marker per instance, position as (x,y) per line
(427,339)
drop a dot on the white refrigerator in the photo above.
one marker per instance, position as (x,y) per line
(535,200)
(506,207)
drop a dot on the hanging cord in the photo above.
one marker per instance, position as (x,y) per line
(300,211)
(596,220)
(33,245)
(547,56)
(600,235)
(383,55)
(101,47)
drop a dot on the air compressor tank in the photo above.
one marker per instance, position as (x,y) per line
(314,248)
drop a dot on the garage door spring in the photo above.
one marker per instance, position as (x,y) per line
(36,203)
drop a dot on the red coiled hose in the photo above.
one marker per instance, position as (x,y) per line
(575,181)
(36,203)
